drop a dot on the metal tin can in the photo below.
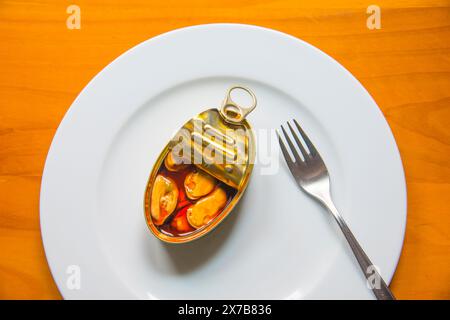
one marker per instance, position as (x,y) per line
(201,173)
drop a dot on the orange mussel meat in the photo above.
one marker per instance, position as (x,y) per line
(185,198)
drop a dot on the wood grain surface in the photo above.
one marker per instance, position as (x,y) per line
(405,66)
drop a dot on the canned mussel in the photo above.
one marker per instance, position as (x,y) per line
(201,173)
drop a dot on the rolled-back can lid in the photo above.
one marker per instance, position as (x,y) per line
(219,142)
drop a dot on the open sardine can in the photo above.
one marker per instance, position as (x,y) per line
(201,173)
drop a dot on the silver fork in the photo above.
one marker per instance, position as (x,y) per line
(312,176)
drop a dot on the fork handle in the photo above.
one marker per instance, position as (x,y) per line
(382,292)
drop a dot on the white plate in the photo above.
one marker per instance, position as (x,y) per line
(277,243)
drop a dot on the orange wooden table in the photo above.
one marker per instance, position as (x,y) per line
(405,66)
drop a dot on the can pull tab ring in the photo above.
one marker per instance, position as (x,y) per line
(231,111)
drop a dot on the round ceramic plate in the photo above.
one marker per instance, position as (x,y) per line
(277,243)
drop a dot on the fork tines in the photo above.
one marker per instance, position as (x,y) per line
(306,154)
